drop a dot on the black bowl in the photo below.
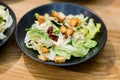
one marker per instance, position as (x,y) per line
(67,8)
(10,30)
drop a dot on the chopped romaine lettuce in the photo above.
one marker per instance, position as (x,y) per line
(1,20)
(76,51)
(90,43)
(2,36)
(82,50)
(36,15)
(93,29)
(55,28)
(39,36)
(62,53)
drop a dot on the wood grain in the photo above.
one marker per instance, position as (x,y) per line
(14,65)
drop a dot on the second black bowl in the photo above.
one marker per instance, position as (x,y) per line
(8,32)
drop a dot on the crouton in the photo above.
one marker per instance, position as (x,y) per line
(60,59)
(69,31)
(63,29)
(74,21)
(61,17)
(41,19)
(58,15)
(42,57)
(44,50)
(54,14)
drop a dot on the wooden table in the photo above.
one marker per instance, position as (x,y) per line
(14,65)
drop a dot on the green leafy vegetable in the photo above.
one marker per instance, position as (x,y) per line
(93,29)
(90,43)
(62,53)
(36,15)
(37,35)
(80,49)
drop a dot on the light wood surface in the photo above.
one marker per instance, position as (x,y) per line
(14,65)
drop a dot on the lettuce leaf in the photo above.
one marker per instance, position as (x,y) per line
(39,37)
(74,51)
(90,43)
(92,28)
(81,50)
(63,53)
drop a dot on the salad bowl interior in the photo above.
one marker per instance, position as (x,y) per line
(8,32)
(67,8)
